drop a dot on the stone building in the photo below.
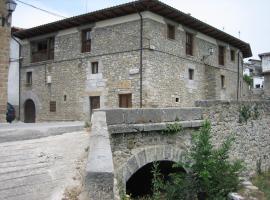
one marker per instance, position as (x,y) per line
(4,62)
(139,54)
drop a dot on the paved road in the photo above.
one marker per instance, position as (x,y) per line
(42,168)
(25,131)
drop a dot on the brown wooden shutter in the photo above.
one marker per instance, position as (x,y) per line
(125,100)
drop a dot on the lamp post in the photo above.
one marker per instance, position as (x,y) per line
(10,7)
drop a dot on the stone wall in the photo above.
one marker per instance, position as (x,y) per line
(252,139)
(115,46)
(4,63)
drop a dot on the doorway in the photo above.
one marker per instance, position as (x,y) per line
(29,111)
(94,103)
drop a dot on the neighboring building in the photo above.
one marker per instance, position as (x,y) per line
(93,60)
(254,69)
(13,73)
(265,57)
(4,62)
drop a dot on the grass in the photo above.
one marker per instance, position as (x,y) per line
(262,181)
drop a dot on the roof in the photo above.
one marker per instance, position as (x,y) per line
(264,54)
(154,6)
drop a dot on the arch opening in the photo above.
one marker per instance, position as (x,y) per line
(140,183)
(29,111)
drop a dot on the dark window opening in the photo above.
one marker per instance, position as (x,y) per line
(42,50)
(189,44)
(222,81)
(232,55)
(171,31)
(125,100)
(29,78)
(94,67)
(65,97)
(86,40)
(191,74)
(177,100)
(140,183)
(52,106)
(221,55)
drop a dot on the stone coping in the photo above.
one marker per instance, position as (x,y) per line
(208,103)
(133,128)
(151,115)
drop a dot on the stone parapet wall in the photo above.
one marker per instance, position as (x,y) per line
(4,63)
(252,139)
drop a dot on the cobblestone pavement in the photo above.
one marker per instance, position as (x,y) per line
(42,168)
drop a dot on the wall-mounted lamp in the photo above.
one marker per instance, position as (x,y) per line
(210,53)
(10,7)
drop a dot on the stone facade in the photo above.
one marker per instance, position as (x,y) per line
(4,63)
(115,46)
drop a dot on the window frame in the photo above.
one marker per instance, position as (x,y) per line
(53,106)
(171,31)
(232,54)
(44,54)
(29,78)
(189,44)
(86,44)
(222,79)
(221,55)
(191,74)
(94,68)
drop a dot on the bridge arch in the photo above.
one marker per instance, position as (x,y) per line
(165,154)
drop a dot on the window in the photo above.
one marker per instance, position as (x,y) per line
(191,74)
(221,55)
(29,78)
(171,31)
(232,55)
(125,100)
(189,44)
(222,81)
(65,97)
(86,40)
(94,67)
(177,100)
(42,50)
(52,106)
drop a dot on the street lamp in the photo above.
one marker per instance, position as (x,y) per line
(10,7)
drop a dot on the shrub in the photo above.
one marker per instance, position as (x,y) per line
(210,174)
(172,129)
(248,79)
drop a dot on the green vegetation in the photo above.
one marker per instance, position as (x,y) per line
(248,80)
(172,129)
(247,112)
(210,175)
(262,181)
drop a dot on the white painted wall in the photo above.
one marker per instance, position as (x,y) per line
(266,63)
(13,74)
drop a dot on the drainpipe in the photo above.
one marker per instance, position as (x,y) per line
(141,56)
(20,64)
(238,75)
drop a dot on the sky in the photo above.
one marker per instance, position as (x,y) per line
(250,17)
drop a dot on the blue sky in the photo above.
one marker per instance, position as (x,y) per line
(250,17)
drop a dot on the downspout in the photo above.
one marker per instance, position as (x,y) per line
(141,57)
(20,64)
(238,76)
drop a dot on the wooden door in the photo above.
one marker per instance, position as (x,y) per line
(125,100)
(94,103)
(29,111)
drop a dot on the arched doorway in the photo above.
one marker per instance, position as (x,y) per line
(140,183)
(29,111)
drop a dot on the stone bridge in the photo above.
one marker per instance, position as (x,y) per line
(125,142)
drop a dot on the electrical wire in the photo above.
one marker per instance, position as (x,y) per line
(49,12)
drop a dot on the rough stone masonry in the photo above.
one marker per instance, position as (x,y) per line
(4,63)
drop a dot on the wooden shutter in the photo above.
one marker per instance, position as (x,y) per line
(125,100)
